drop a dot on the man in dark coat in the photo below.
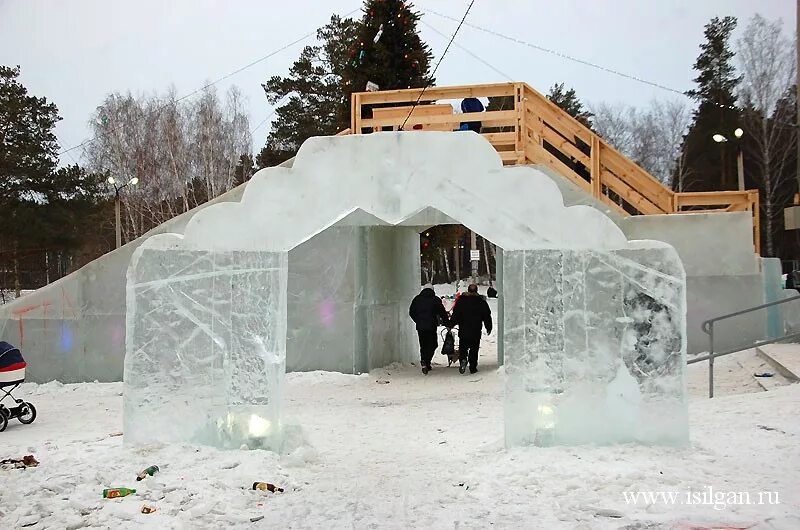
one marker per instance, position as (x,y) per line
(470,314)
(427,311)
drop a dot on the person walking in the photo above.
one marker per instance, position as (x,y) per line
(428,312)
(470,314)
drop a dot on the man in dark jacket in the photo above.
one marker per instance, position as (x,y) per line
(470,314)
(427,311)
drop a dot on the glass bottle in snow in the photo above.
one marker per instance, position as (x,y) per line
(266,486)
(113,493)
(152,470)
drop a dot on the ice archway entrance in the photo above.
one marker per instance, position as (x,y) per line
(315,267)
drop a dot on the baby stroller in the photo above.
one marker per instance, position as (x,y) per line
(12,374)
(449,346)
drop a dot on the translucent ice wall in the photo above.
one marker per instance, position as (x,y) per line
(206,347)
(594,346)
(348,295)
(315,267)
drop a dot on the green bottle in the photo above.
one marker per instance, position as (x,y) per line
(113,493)
(152,470)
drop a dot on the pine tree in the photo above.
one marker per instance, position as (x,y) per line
(321,81)
(317,104)
(27,142)
(708,165)
(42,206)
(244,169)
(387,50)
(568,101)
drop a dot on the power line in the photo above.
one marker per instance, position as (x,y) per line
(560,54)
(70,154)
(474,55)
(272,113)
(438,63)
(224,77)
(574,59)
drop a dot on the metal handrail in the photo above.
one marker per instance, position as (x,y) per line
(708,328)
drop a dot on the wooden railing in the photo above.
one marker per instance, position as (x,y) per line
(530,129)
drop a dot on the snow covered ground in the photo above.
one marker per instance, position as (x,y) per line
(396,449)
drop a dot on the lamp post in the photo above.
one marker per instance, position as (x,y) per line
(132,182)
(473,246)
(738,133)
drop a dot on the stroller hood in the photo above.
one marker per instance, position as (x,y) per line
(12,365)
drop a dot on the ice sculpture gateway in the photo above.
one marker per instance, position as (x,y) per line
(315,267)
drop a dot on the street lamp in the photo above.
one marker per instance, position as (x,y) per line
(738,133)
(132,182)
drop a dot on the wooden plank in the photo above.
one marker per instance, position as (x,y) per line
(501,138)
(419,110)
(520,125)
(630,194)
(355,113)
(410,95)
(712,198)
(519,129)
(344,132)
(594,168)
(551,112)
(619,163)
(754,205)
(505,147)
(539,155)
(661,196)
(558,122)
(693,212)
(634,176)
(711,201)
(607,200)
(534,129)
(508,156)
(739,207)
(565,146)
(494,118)
(399,114)
(729,193)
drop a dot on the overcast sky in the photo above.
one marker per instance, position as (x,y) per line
(75,52)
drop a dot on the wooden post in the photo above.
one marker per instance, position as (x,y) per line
(597,189)
(797,90)
(355,113)
(522,133)
(755,207)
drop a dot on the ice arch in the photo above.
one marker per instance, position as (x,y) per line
(594,325)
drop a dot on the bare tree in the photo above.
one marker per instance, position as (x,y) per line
(767,62)
(662,127)
(613,123)
(651,137)
(183,153)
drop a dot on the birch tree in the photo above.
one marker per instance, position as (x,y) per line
(767,63)
(182,152)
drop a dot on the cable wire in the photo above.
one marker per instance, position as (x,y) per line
(559,54)
(438,63)
(272,113)
(207,85)
(574,59)
(474,55)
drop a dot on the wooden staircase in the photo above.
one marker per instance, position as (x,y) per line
(534,131)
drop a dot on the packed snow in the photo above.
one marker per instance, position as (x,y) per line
(396,449)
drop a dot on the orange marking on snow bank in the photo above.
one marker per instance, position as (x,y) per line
(23,310)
